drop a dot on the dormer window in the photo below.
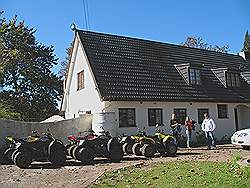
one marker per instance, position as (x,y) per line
(229,77)
(190,72)
(232,79)
(194,76)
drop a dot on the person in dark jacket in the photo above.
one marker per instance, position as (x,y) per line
(175,127)
(189,123)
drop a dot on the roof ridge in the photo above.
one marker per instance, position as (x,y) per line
(158,42)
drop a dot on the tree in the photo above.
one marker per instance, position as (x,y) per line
(246,46)
(198,42)
(27,81)
(65,64)
(7,112)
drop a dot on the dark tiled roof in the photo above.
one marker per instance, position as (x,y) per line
(129,69)
(246,71)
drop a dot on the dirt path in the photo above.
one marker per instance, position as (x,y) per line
(76,175)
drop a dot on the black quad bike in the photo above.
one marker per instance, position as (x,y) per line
(86,148)
(73,140)
(35,148)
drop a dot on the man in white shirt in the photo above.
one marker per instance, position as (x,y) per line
(208,127)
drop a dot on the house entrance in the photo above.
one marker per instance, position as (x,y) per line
(242,117)
(236,119)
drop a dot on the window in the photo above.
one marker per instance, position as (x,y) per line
(194,76)
(80,80)
(154,116)
(127,117)
(222,111)
(233,79)
(181,114)
(201,112)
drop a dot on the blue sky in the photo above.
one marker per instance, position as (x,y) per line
(216,21)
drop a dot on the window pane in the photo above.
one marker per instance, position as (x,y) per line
(80,80)
(222,111)
(233,79)
(126,117)
(158,113)
(198,78)
(180,114)
(228,79)
(154,116)
(201,112)
(194,76)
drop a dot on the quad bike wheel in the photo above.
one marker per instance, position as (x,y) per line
(13,154)
(75,152)
(70,150)
(22,159)
(148,150)
(136,149)
(86,155)
(7,155)
(127,148)
(57,153)
(116,153)
(57,157)
(171,147)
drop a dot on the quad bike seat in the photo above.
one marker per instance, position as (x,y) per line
(31,139)
(90,137)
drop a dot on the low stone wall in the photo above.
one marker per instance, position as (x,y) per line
(60,129)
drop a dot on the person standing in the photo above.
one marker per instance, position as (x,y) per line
(189,123)
(174,125)
(208,126)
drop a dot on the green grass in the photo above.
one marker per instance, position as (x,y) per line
(179,174)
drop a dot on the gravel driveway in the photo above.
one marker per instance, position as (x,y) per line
(73,174)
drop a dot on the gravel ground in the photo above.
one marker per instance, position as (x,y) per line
(73,174)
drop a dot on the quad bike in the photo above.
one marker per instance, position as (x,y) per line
(73,140)
(127,144)
(166,144)
(35,148)
(139,144)
(88,147)
(147,145)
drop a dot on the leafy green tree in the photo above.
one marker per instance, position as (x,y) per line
(246,46)
(65,64)
(27,81)
(198,42)
(7,113)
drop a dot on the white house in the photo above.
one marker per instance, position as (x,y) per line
(143,82)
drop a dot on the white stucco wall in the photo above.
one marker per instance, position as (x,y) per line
(85,99)
(59,129)
(224,126)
